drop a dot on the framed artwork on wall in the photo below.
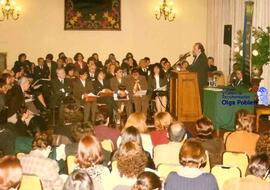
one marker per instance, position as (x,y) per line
(92,14)
(3,62)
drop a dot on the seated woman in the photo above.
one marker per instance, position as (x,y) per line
(147,181)
(131,134)
(79,180)
(10,173)
(258,171)
(214,146)
(243,134)
(37,162)
(162,121)
(131,161)
(157,87)
(90,159)
(102,86)
(192,156)
(138,120)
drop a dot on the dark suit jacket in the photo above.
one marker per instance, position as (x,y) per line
(92,78)
(52,69)
(212,68)
(200,66)
(98,86)
(14,99)
(77,66)
(152,84)
(79,89)
(114,83)
(43,73)
(131,83)
(144,73)
(27,67)
(57,94)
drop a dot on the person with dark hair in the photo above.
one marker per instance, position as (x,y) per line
(111,59)
(130,55)
(192,157)
(79,63)
(92,68)
(158,87)
(238,81)
(102,128)
(79,180)
(90,158)
(98,62)
(205,135)
(70,72)
(128,64)
(168,153)
(41,71)
(200,66)
(163,60)
(10,173)
(37,162)
(61,55)
(82,88)
(211,64)
(26,65)
(18,73)
(136,86)
(258,171)
(131,161)
(147,181)
(167,68)
(52,65)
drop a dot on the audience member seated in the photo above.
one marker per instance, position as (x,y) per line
(116,83)
(82,88)
(167,68)
(157,87)
(189,177)
(169,153)
(137,87)
(91,65)
(37,162)
(79,180)
(138,120)
(258,171)
(102,128)
(10,173)
(162,121)
(214,146)
(184,65)
(90,159)
(147,181)
(131,134)
(110,72)
(131,161)
(237,80)
(41,71)
(79,63)
(128,65)
(111,59)
(263,144)
(70,72)
(143,68)
(211,64)
(103,86)
(24,64)
(18,73)
(243,134)
(98,62)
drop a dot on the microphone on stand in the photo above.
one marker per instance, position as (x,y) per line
(182,57)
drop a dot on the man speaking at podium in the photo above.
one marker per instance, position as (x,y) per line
(200,66)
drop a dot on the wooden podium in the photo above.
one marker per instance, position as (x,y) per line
(185,104)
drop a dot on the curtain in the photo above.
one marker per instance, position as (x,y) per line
(222,12)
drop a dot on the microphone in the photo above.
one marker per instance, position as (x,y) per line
(185,55)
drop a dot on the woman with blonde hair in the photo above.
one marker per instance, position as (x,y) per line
(90,158)
(192,157)
(162,121)
(10,173)
(138,120)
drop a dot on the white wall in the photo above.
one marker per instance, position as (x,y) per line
(40,30)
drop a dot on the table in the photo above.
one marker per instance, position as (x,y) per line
(221,104)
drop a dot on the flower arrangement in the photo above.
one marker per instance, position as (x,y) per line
(260,46)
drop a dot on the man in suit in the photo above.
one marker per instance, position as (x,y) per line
(135,83)
(91,68)
(211,64)
(120,81)
(82,87)
(200,66)
(143,68)
(52,66)
(41,71)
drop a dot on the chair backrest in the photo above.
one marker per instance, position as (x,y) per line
(30,182)
(238,159)
(207,167)
(107,145)
(71,163)
(225,136)
(165,169)
(224,173)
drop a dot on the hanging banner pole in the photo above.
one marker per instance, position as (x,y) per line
(247,55)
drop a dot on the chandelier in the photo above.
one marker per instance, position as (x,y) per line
(9,10)
(165,10)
